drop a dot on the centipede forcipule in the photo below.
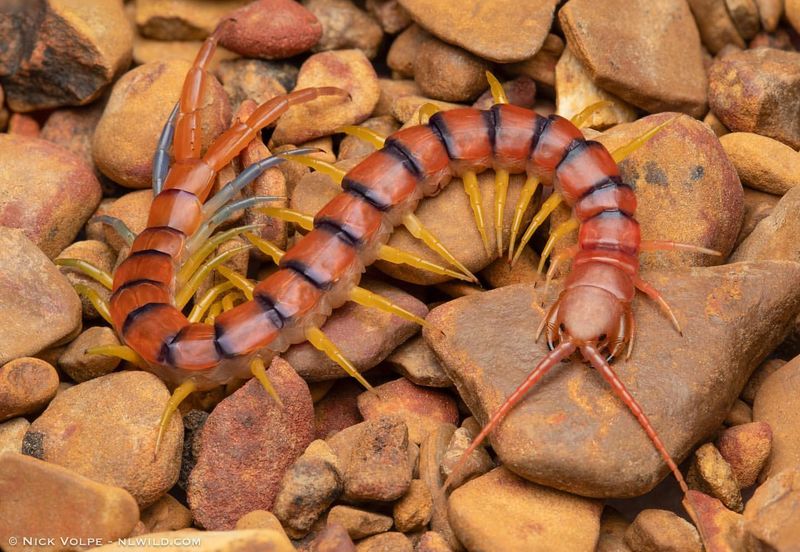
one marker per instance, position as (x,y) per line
(321,271)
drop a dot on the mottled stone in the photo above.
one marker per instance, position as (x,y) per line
(345,25)
(338,409)
(746,448)
(711,474)
(415,360)
(26,386)
(184,20)
(662,531)
(73,129)
(431,541)
(413,511)
(772,515)
(392,17)
(776,403)
(477,464)
(386,542)
(715,24)
(359,523)
(333,538)
(254,79)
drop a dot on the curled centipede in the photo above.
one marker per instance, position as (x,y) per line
(170,258)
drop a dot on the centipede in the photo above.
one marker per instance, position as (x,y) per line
(151,288)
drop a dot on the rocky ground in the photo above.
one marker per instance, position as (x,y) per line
(86,88)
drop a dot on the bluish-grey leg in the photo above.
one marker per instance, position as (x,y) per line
(161,158)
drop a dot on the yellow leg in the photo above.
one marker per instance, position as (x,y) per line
(245,285)
(369,299)
(415,227)
(547,207)
(580,119)
(120,351)
(181,392)
(213,311)
(500,194)
(498,94)
(474,193)
(266,247)
(525,196)
(426,111)
(561,230)
(395,256)
(259,372)
(557,260)
(306,222)
(364,133)
(622,152)
(97,274)
(190,287)
(99,304)
(194,261)
(318,165)
(321,342)
(203,304)
(229,300)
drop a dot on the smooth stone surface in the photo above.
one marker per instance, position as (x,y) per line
(106,429)
(775,237)
(447,72)
(715,24)
(245,540)
(31,290)
(345,25)
(571,432)
(26,386)
(776,403)
(80,365)
(763,163)
(757,207)
(415,361)
(390,14)
(146,51)
(386,542)
(483,28)
(647,52)
(166,514)
(12,432)
(246,446)
(72,128)
(184,20)
(746,448)
(663,531)
(98,254)
(359,523)
(534,518)
(773,513)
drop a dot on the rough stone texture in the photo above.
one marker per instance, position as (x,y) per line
(431,541)
(166,514)
(723,529)
(746,448)
(483,28)
(80,365)
(26,386)
(61,52)
(478,463)
(715,24)
(776,403)
(431,452)
(773,513)
(31,290)
(133,209)
(662,531)
(404,49)
(359,523)
(711,474)
(184,20)
(210,541)
(415,360)
(775,237)
(259,519)
(73,129)
(390,14)
(446,72)
(12,433)
(338,409)
(763,163)
(386,542)
(247,444)
(50,199)
(42,499)
(732,316)
(745,17)
(646,52)
(106,429)
(413,511)
(757,207)
(758,91)
(333,538)
(534,518)
(345,25)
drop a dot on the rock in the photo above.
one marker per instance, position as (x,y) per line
(744,14)
(758,91)
(308,488)
(32,290)
(404,50)
(776,405)
(271,29)
(133,209)
(759,376)
(338,409)
(774,237)
(483,29)
(345,26)
(662,531)
(413,511)
(722,529)
(716,125)
(193,423)
(98,254)
(770,11)
(562,521)
(542,66)
(390,14)
(772,515)
(81,365)
(73,129)
(41,499)
(106,429)
(423,410)
(740,413)
(353,147)
(711,474)
(500,273)
(415,361)
(666,74)
(406,108)
(757,207)
(333,538)
(126,136)
(431,541)
(715,24)
(447,72)
(40,67)
(209,541)
(348,327)
(255,79)
(763,163)
(185,20)
(359,523)
(377,467)
(792,13)
(612,532)
(349,70)
(246,446)
(386,542)
(746,448)
(431,452)
(730,322)
(686,188)
(148,51)
(479,462)
(50,199)
(166,514)
(259,519)
(26,386)
(520,91)
(575,92)
(12,433)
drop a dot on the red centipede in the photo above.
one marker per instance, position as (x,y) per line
(592,316)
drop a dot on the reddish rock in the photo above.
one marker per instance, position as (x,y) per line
(333,538)
(26,386)
(344,25)
(73,129)
(431,541)
(662,530)
(711,474)
(415,360)
(776,404)
(722,529)
(359,524)
(338,409)
(446,72)
(746,448)
(386,542)
(431,452)
(246,446)
(477,464)
(520,91)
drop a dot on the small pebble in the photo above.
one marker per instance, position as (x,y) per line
(446,72)
(757,207)
(378,467)
(415,360)
(404,50)
(759,376)
(431,452)
(27,385)
(542,66)
(715,25)
(740,413)
(185,20)
(774,237)
(146,51)
(97,253)
(413,511)
(338,409)
(662,531)
(12,433)
(770,11)
(478,463)
(431,541)
(763,163)
(81,365)
(612,532)
(333,538)
(359,523)
(166,514)
(386,542)
(251,79)
(711,473)
(345,25)
(746,449)
(133,209)
(390,14)
(259,519)
(773,513)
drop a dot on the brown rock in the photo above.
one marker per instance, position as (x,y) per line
(253,79)
(525,271)
(746,448)
(403,51)
(485,343)
(211,541)
(446,72)
(166,514)
(133,209)
(26,386)
(759,376)
(520,91)
(390,14)
(770,11)
(478,463)
(612,532)
(148,51)
(98,254)
(792,13)
(757,207)
(353,147)
(413,511)
(484,29)
(39,65)
(73,129)
(776,404)
(106,429)
(773,513)
(347,328)
(185,20)
(423,410)
(349,70)
(259,519)
(377,468)
(716,125)
(763,163)
(392,90)
(344,26)
(81,365)
(775,236)
(562,521)
(126,136)
(662,531)
(711,474)
(431,541)
(406,108)
(758,91)
(431,453)
(386,542)
(42,499)
(722,529)
(247,444)
(271,29)
(50,199)
(415,361)
(338,409)
(542,66)
(744,14)
(716,25)
(12,433)
(740,413)
(359,523)
(333,538)
(666,39)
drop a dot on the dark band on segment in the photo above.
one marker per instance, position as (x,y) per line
(136,313)
(405,156)
(366,193)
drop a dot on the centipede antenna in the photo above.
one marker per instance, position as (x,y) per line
(85,267)
(319,165)
(161,157)
(364,133)
(547,207)
(119,227)
(244,285)
(119,351)
(666,245)
(418,230)
(654,294)
(321,342)
(624,151)
(396,256)
(525,196)
(474,192)
(266,247)
(498,94)
(99,304)
(202,305)
(581,118)
(500,194)
(561,230)
(426,111)
(181,392)
(369,299)
(190,287)
(306,222)
(206,247)
(259,371)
